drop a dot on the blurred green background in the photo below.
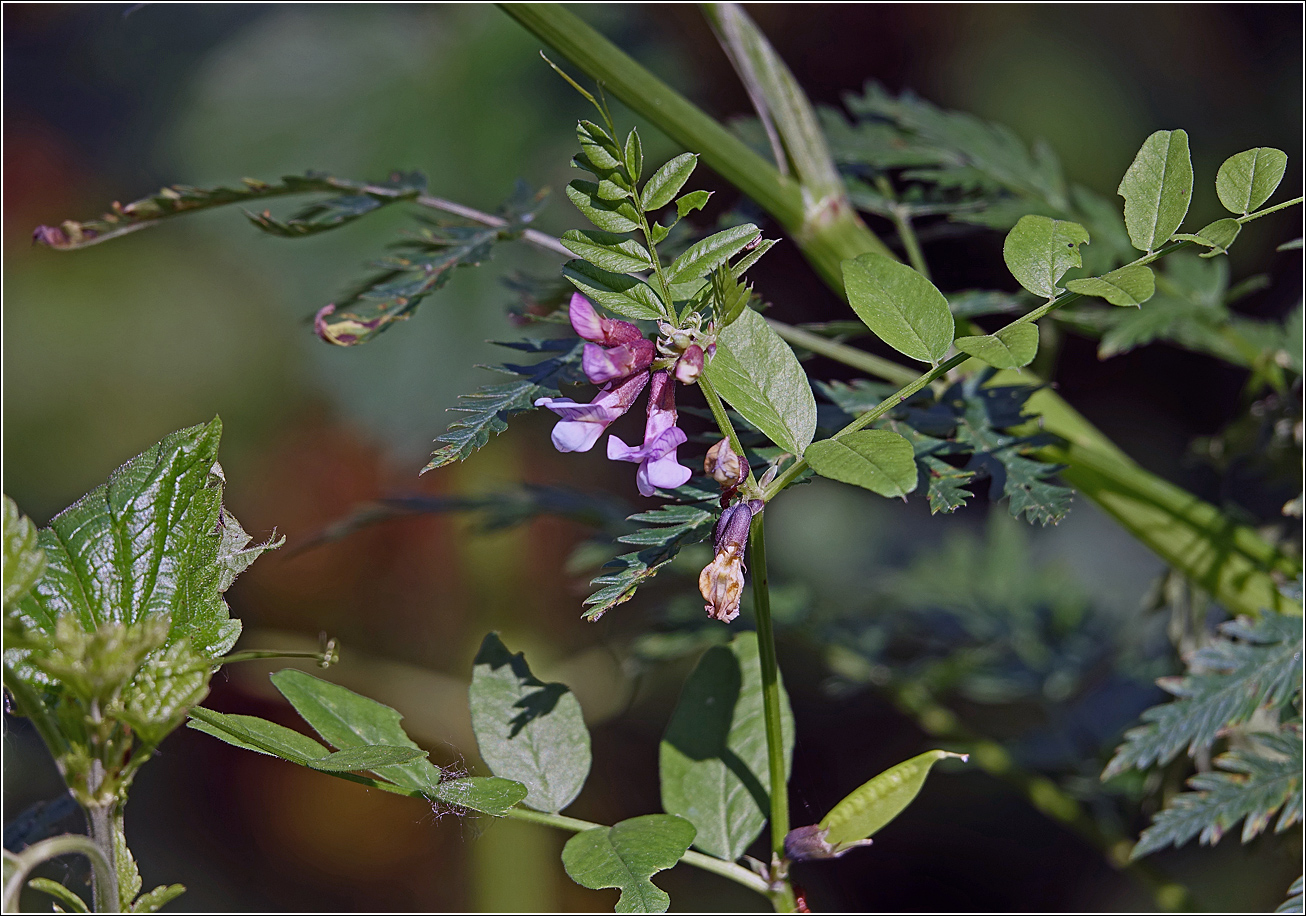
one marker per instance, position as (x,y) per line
(108,349)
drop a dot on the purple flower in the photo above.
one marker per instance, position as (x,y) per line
(582,424)
(658,466)
(603,364)
(690,365)
(721,583)
(590,325)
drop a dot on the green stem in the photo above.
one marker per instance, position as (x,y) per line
(1244,220)
(23,863)
(877,366)
(902,222)
(770,686)
(250,655)
(723,423)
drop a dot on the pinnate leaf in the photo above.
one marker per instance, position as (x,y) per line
(1131,285)
(863,812)
(628,296)
(757,372)
(1157,188)
(667,181)
(899,305)
(1039,250)
(1217,236)
(713,760)
(877,459)
(1246,180)
(703,257)
(1009,348)
(608,250)
(527,730)
(626,855)
(608,215)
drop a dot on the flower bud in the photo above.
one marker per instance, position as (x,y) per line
(690,365)
(724,466)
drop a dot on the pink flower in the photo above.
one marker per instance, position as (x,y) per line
(590,325)
(603,364)
(690,365)
(582,424)
(658,466)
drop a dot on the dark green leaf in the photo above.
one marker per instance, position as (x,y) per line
(1247,180)
(1217,236)
(752,257)
(713,760)
(877,459)
(633,156)
(608,250)
(368,757)
(487,794)
(626,855)
(349,720)
(667,182)
(598,145)
(947,485)
(24,561)
(1009,348)
(334,212)
(694,200)
(1294,903)
(1039,250)
(867,809)
(609,215)
(1157,189)
(701,258)
(254,734)
(628,296)
(1132,285)
(527,730)
(759,375)
(900,306)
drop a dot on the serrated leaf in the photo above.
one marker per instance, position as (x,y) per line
(608,215)
(155,900)
(1217,236)
(1039,250)
(24,561)
(1131,285)
(1157,188)
(947,486)
(487,794)
(703,257)
(333,212)
(527,730)
(666,183)
(1009,348)
(758,374)
(168,682)
(877,459)
(628,296)
(713,761)
(674,526)
(900,306)
(349,720)
(626,855)
(1246,180)
(864,811)
(607,250)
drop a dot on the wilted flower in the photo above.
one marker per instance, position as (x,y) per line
(722,581)
(582,424)
(658,466)
(806,843)
(724,466)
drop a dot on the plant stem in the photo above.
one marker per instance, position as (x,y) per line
(902,222)
(106,881)
(723,423)
(775,752)
(877,366)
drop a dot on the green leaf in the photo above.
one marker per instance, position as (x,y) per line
(633,156)
(701,258)
(667,182)
(348,720)
(900,306)
(713,760)
(156,899)
(1009,348)
(333,212)
(1246,180)
(487,794)
(1157,189)
(608,251)
(1294,902)
(628,296)
(254,734)
(626,855)
(675,527)
(609,215)
(527,730)
(167,684)
(694,200)
(366,758)
(877,459)
(598,145)
(1217,236)
(1039,250)
(59,892)
(24,561)
(759,375)
(863,812)
(752,257)
(1131,285)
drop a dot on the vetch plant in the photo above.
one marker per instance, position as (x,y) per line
(114,620)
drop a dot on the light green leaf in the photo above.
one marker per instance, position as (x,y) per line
(346,720)
(24,561)
(1039,250)
(527,730)
(366,758)
(878,459)
(609,215)
(713,761)
(1246,180)
(863,812)
(626,855)
(254,734)
(608,250)
(1131,285)
(156,899)
(1157,189)
(1009,348)
(627,296)
(667,182)
(694,200)
(59,892)
(902,307)
(759,375)
(487,794)
(1217,236)
(633,156)
(167,684)
(598,145)
(701,258)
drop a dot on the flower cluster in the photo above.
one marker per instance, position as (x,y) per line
(621,361)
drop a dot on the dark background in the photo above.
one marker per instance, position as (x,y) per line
(108,349)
